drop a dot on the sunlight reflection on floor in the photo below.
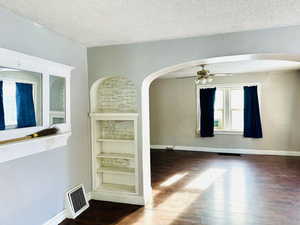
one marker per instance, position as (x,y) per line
(238,190)
(181,200)
(205,179)
(175,178)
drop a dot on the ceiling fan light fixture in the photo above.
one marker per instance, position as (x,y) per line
(203,80)
(209,79)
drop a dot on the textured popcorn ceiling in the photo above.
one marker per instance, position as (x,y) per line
(106,22)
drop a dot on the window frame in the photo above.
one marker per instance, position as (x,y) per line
(15,150)
(15,60)
(226,101)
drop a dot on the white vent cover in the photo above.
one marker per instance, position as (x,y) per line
(76,201)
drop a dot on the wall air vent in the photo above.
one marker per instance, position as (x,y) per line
(76,201)
(229,154)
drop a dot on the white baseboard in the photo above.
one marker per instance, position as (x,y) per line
(63,215)
(56,219)
(162,146)
(129,199)
(228,150)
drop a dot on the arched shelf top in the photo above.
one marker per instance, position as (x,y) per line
(113,94)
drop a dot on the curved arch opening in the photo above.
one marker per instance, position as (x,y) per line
(145,111)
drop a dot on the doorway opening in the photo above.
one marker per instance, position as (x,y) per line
(166,137)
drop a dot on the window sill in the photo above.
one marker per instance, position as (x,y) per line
(229,132)
(224,132)
(25,148)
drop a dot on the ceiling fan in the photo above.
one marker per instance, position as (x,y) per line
(204,76)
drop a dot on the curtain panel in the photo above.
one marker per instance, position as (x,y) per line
(207,101)
(25,105)
(2,121)
(252,121)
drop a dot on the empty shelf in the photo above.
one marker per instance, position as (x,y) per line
(116,170)
(115,140)
(116,155)
(117,188)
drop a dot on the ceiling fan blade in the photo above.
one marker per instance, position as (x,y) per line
(221,74)
(185,77)
(200,65)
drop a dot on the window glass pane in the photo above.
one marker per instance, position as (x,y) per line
(218,120)
(237,99)
(237,120)
(219,101)
(57,99)
(9,101)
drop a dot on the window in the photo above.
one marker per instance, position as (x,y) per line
(19,87)
(228,108)
(9,103)
(236,113)
(11,78)
(219,109)
(57,99)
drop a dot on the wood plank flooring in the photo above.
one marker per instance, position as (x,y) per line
(192,188)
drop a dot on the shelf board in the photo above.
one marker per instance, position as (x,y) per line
(116,140)
(117,188)
(114,116)
(116,155)
(116,170)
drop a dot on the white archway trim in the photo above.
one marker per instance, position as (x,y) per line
(145,100)
(222,59)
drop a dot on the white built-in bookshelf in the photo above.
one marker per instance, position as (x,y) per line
(114,146)
(114,138)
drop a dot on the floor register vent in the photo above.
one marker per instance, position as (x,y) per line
(76,201)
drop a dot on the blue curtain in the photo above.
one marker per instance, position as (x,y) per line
(252,123)
(25,105)
(207,101)
(2,121)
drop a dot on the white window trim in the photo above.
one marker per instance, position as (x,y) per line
(20,61)
(227,85)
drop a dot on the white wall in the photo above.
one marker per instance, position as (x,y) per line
(32,188)
(173,113)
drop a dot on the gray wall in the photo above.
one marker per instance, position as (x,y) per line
(173,113)
(137,61)
(32,188)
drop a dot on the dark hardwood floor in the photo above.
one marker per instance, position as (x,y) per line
(192,188)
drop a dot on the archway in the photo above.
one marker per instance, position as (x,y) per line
(145,100)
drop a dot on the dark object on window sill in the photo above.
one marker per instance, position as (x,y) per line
(41,133)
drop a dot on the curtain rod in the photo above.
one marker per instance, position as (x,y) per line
(229,85)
